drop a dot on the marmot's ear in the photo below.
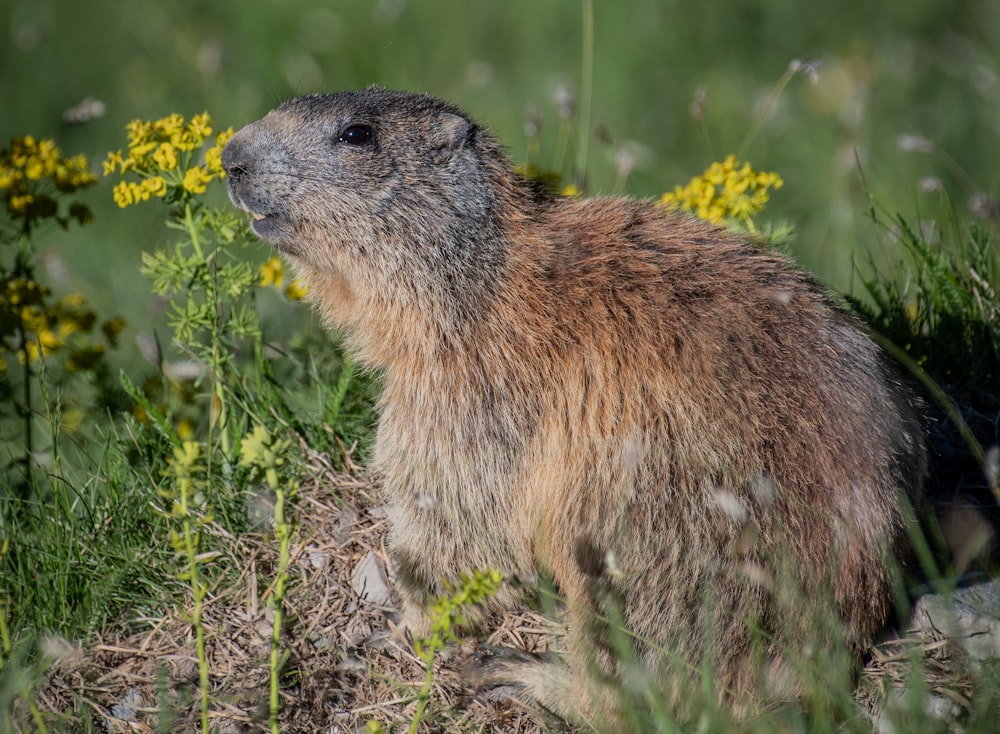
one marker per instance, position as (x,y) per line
(448,136)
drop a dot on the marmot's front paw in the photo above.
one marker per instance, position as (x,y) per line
(493,666)
(540,682)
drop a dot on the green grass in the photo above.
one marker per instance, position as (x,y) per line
(888,69)
(84,549)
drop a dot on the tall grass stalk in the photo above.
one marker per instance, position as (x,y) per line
(586,91)
(283,533)
(793,68)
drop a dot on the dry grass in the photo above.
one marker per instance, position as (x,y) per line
(946,684)
(347,664)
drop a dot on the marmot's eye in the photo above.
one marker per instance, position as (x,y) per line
(356,135)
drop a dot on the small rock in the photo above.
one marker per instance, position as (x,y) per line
(896,717)
(369,582)
(318,558)
(125,710)
(969,617)
(345,524)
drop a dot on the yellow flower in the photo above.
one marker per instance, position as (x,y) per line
(138,155)
(272,273)
(166,157)
(20,204)
(296,291)
(33,318)
(50,156)
(169,126)
(223,137)
(716,173)
(153,186)
(200,127)
(195,180)
(72,173)
(213,161)
(21,149)
(49,341)
(34,169)
(190,136)
(114,161)
(124,193)
(8,177)
(138,132)
(24,291)
(259,449)
(185,429)
(727,190)
(166,146)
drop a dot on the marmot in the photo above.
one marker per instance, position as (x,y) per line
(650,411)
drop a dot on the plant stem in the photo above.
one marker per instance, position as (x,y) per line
(191,549)
(37,716)
(192,230)
(586,90)
(283,533)
(26,403)
(5,642)
(219,413)
(217,409)
(423,696)
(23,269)
(790,72)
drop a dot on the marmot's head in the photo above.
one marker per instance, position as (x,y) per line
(376,175)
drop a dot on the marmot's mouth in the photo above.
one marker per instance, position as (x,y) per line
(258,218)
(261,222)
(267,226)
(240,202)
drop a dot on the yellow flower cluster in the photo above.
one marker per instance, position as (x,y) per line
(272,274)
(729,190)
(33,328)
(164,155)
(32,172)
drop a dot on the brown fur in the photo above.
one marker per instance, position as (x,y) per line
(639,404)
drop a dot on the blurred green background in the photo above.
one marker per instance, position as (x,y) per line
(886,70)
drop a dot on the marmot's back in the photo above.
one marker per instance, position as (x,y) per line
(639,404)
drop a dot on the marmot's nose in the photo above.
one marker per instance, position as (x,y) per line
(234,159)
